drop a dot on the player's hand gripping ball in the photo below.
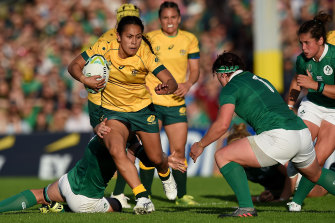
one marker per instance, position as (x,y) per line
(96,66)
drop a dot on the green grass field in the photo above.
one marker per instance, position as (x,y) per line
(213,194)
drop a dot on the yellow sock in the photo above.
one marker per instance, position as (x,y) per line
(139,189)
(165,174)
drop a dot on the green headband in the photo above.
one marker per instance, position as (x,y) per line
(226,69)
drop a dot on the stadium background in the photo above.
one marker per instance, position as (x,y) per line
(44,125)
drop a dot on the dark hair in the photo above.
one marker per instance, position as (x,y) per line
(133,20)
(166,5)
(228,59)
(316,26)
(129,20)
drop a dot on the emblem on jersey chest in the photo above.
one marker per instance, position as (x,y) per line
(158,48)
(182,52)
(328,70)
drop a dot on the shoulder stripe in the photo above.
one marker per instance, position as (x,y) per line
(194,55)
(158,69)
(85,56)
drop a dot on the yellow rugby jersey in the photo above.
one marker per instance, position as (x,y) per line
(331,37)
(173,52)
(107,36)
(126,90)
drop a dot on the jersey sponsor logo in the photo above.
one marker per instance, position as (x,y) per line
(302,112)
(182,52)
(328,70)
(121,67)
(151,120)
(319,78)
(134,72)
(170,47)
(182,111)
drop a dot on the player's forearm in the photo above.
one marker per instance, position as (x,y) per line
(172,85)
(214,133)
(194,71)
(76,72)
(293,92)
(329,91)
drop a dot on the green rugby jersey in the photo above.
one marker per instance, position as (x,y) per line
(259,104)
(321,71)
(91,174)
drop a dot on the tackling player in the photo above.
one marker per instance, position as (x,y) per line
(280,134)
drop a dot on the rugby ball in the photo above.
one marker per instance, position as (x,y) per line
(96,66)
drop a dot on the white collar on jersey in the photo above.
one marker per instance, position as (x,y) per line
(324,53)
(235,73)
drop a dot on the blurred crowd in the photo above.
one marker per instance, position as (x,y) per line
(39,38)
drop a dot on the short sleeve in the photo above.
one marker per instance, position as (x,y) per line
(100,47)
(194,52)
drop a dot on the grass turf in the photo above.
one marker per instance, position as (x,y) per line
(213,194)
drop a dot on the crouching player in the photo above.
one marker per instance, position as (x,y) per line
(82,188)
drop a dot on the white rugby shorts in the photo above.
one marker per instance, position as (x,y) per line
(283,145)
(80,203)
(314,113)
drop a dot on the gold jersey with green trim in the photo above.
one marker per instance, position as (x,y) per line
(173,52)
(126,90)
(110,35)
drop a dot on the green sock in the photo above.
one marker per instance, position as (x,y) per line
(305,186)
(147,177)
(21,201)
(119,185)
(142,194)
(180,179)
(327,180)
(237,179)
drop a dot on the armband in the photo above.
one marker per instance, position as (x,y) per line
(321,86)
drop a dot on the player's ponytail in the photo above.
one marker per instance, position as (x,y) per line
(316,26)
(145,39)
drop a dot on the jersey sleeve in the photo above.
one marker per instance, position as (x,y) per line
(99,47)
(227,95)
(152,62)
(300,65)
(194,52)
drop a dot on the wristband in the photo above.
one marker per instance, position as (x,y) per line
(321,86)
(290,106)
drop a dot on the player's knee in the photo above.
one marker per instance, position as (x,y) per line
(157,160)
(219,157)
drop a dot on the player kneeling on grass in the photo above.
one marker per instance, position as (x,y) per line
(280,134)
(82,188)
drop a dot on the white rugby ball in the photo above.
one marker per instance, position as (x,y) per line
(96,66)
